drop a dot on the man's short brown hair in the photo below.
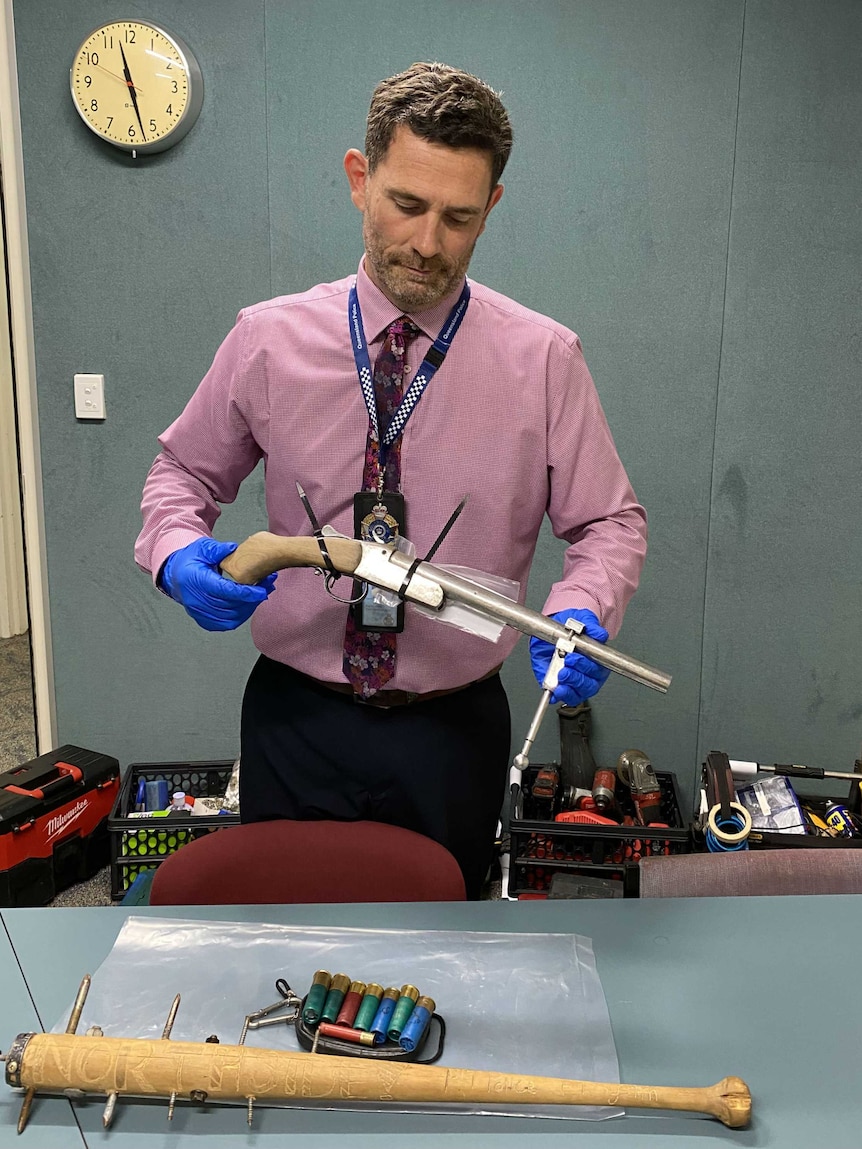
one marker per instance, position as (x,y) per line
(444,106)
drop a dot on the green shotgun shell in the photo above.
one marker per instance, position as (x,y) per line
(316,997)
(403,1009)
(338,987)
(368,1008)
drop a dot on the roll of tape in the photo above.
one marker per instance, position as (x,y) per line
(725,836)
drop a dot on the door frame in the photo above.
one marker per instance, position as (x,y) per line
(24,385)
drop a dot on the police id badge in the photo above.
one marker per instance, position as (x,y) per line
(378,518)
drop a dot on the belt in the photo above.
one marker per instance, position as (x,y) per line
(386,699)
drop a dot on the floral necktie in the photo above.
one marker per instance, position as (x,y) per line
(369,656)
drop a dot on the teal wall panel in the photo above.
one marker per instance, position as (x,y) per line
(781,626)
(138,268)
(680,194)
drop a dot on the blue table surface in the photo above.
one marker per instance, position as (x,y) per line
(697,989)
(57,1124)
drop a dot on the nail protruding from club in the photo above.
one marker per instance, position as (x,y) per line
(78,1007)
(172,1014)
(26,1105)
(108,1115)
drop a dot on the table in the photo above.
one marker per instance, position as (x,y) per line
(18,1013)
(697,989)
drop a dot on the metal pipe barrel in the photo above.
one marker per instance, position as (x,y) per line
(531,622)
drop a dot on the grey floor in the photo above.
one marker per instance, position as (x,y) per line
(18,745)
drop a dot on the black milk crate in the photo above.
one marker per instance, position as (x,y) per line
(541,847)
(140,844)
(775,840)
(759,839)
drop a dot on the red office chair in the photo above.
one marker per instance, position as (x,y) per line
(747,873)
(285,862)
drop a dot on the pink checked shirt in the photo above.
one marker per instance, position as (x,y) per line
(511,419)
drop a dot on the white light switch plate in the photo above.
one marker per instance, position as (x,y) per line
(89,396)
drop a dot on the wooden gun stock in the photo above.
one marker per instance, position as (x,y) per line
(262,553)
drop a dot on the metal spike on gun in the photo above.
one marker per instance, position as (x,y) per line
(425,583)
(201,1072)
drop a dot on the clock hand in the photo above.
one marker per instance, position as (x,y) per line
(128,76)
(102,68)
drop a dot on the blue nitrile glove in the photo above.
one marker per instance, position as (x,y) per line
(191,576)
(580,678)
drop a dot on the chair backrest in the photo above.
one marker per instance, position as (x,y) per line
(283,862)
(746,873)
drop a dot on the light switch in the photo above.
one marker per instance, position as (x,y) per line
(89,396)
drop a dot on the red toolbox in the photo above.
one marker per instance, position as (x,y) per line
(54,823)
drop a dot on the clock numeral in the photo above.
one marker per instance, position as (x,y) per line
(174,87)
(131,130)
(152,125)
(88,81)
(168,66)
(94,105)
(130,35)
(107,41)
(169,111)
(92,58)
(110,120)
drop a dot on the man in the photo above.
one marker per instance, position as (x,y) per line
(344,715)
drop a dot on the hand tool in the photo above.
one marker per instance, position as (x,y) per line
(751,769)
(636,772)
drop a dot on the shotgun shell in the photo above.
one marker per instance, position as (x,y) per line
(368,1010)
(345,1033)
(338,987)
(417,1023)
(384,1012)
(406,1002)
(316,997)
(350,1005)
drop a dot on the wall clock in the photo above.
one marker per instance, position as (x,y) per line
(136,86)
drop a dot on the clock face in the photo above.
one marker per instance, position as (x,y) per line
(136,86)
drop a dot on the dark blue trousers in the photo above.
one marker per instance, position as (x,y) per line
(437,767)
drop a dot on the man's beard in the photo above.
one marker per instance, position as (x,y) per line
(391,275)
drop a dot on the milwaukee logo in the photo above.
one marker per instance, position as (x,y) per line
(58,824)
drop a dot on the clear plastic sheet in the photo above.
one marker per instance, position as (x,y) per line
(516,1003)
(459,614)
(466,617)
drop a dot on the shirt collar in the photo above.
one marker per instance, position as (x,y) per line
(378,311)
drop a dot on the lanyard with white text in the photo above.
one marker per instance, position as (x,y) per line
(434,356)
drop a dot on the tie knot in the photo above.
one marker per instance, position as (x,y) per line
(403,327)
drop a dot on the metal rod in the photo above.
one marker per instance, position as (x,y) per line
(108,1115)
(26,1106)
(78,1007)
(531,622)
(172,1015)
(263,1022)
